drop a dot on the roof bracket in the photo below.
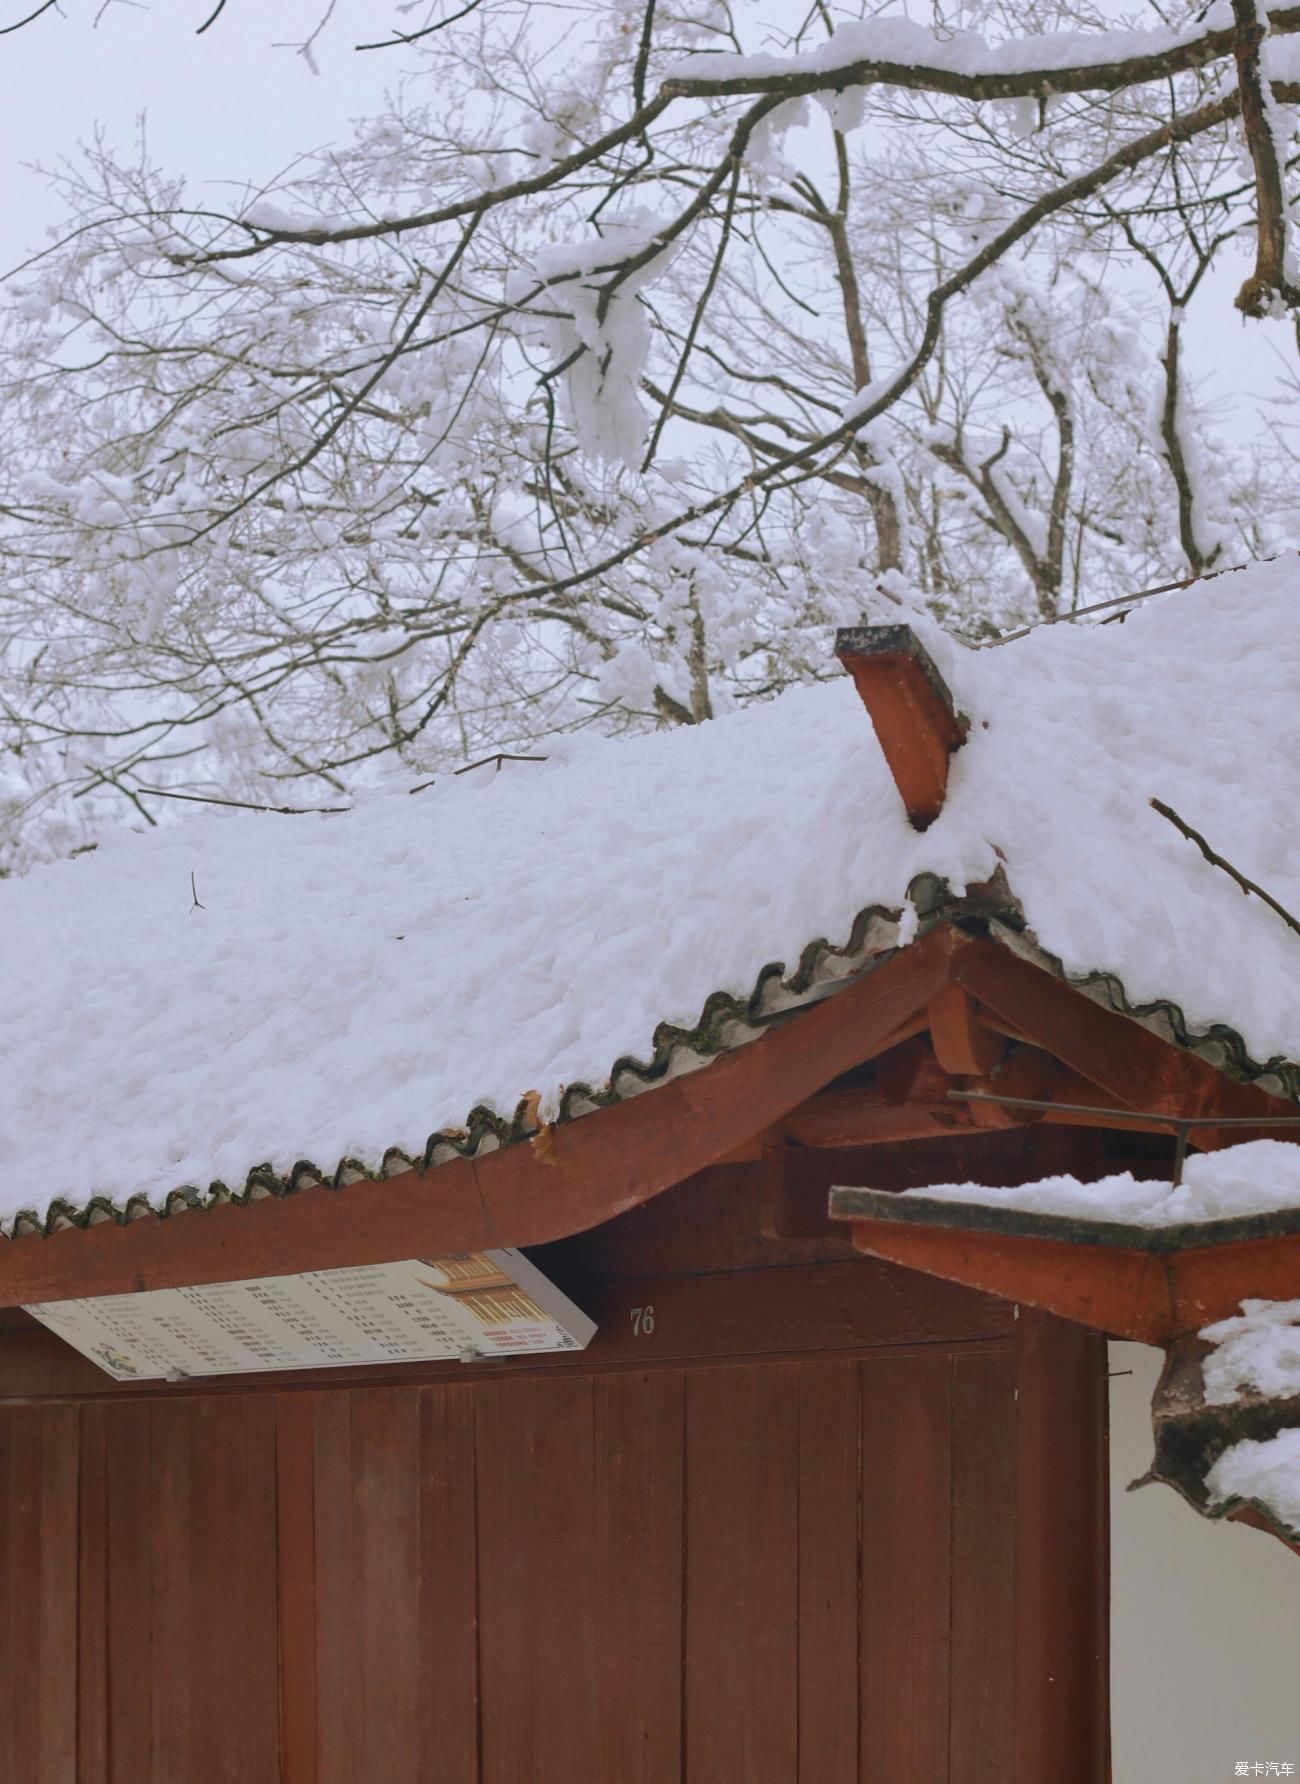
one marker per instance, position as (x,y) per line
(911,708)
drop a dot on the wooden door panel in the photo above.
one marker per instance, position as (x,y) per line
(448,1740)
(742,1596)
(233,1593)
(128,1468)
(981,1729)
(906,1583)
(638,1577)
(57,1705)
(20,1434)
(537,1655)
(395,1608)
(177,1649)
(336,1706)
(830,1459)
(386,1583)
(38,1555)
(92,1598)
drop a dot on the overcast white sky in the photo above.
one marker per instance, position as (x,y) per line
(231,106)
(227,105)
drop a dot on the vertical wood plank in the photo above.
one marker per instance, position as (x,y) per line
(233,1575)
(295,1550)
(128,1467)
(1062,1558)
(20,1612)
(638,1576)
(92,1607)
(829,1458)
(906,1494)
(176,1654)
(335,1642)
(56,1706)
(982,1715)
(386,1582)
(741,1710)
(536,1649)
(9,1590)
(448,1563)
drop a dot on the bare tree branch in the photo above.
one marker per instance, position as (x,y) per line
(18,24)
(400,38)
(1217,860)
(212,17)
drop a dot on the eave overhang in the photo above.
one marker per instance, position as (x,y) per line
(533,1186)
(1152,1284)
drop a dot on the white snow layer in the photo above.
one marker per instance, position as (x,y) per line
(902,43)
(1258,1177)
(1267,1471)
(357,982)
(1256,1351)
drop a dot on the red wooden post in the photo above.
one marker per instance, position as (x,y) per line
(1062,1581)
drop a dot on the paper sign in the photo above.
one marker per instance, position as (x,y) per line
(479,1304)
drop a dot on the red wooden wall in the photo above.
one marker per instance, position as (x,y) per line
(832,1546)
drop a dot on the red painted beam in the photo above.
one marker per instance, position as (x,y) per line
(1135,1290)
(1135,1068)
(911,708)
(1121,1292)
(864,1118)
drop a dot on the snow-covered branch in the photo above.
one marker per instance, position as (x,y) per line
(585,393)
(1274,286)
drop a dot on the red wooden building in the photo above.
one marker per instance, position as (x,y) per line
(795,1512)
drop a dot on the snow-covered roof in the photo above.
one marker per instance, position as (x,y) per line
(385,978)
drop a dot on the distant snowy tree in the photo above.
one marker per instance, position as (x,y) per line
(625,355)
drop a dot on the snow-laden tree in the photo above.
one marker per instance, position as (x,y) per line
(606,371)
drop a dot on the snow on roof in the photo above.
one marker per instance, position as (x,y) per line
(1256,1358)
(1265,1472)
(1258,1177)
(1257,1350)
(356,983)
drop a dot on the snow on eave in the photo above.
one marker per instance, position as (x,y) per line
(1249,1191)
(725,1023)
(1221,1454)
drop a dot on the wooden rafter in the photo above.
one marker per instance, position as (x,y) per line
(1134,1067)
(962,1042)
(839,1118)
